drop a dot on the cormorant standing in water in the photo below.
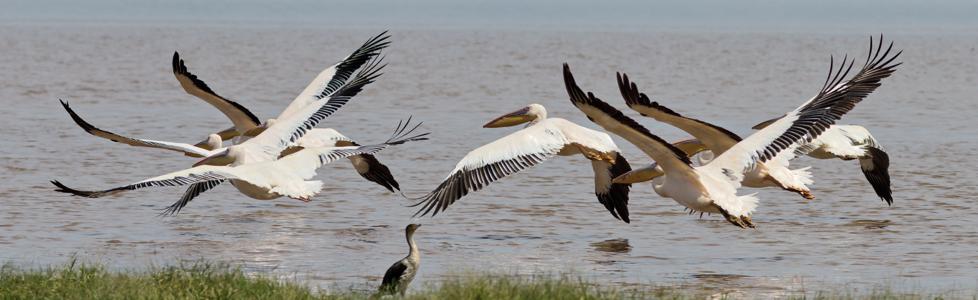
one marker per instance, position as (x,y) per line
(400,274)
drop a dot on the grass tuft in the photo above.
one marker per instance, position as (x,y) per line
(220,281)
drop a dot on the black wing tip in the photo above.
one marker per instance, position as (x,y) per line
(619,192)
(65,189)
(879,175)
(380,174)
(578,97)
(180,68)
(634,97)
(403,135)
(78,119)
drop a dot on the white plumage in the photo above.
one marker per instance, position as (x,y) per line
(713,187)
(542,139)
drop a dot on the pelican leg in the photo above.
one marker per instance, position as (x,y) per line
(807,194)
(305,199)
(737,221)
(747,221)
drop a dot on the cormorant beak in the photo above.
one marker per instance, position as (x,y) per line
(511,119)
(219,159)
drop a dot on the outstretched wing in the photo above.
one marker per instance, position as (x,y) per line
(178,178)
(491,162)
(305,162)
(716,138)
(614,196)
(285,132)
(672,159)
(193,191)
(785,138)
(240,116)
(332,79)
(367,165)
(187,149)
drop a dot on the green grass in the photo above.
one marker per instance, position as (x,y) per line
(218,281)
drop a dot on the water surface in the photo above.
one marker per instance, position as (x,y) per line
(543,220)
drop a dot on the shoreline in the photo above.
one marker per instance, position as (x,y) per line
(202,279)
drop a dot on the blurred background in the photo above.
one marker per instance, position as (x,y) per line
(615,15)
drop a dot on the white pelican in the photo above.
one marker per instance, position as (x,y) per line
(266,147)
(848,142)
(400,274)
(712,188)
(543,138)
(326,83)
(260,179)
(718,140)
(246,123)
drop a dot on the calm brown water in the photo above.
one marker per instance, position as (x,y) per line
(544,220)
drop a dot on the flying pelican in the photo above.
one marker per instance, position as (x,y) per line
(718,140)
(543,138)
(265,147)
(326,82)
(848,142)
(262,179)
(400,274)
(368,166)
(712,188)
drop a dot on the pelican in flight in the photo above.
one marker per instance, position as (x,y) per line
(247,124)
(712,187)
(773,173)
(848,142)
(263,179)
(265,147)
(542,139)
(400,274)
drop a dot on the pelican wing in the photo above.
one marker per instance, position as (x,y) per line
(305,162)
(332,79)
(852,141)
(716,138)
(367,165)
(286,132)
(789,136)
(691,147)
(187,149)
(192,192)
(240,116)
(178,178)
(672,159)
(875,166)
(491,162)
(613,195)
(873,161)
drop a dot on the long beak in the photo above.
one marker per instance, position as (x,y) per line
(639,175)
(219,159)
(511,119)
(761,125)
(690,147)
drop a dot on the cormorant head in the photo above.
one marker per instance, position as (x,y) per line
(411,228)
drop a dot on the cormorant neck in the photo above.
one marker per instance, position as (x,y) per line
(412,247)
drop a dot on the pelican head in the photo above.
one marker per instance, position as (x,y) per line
(214,141)
(222,158)
(531,113)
